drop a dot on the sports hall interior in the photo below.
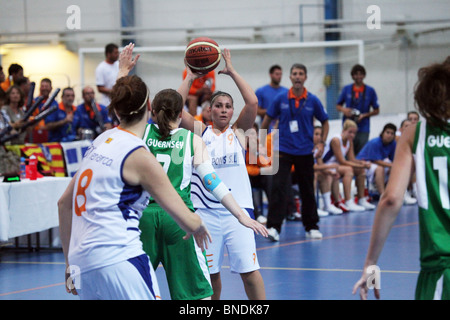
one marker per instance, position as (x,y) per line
(64,41)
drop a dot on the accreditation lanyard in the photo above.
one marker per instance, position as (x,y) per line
(293,123)
(356,100)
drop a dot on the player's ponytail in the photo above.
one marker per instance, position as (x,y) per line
(166,107)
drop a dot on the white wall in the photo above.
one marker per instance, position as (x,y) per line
(391,66)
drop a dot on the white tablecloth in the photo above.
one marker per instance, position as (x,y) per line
(30,206)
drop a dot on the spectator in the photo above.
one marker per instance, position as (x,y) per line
(24,84)
(205,116)
(86,117)
(60,123)
(296,110)
(380,152)
(267,93)
(324,176)
(405,124)
(40,133)
(413,116)
(200,91)
(13,109)
(15,72)
(106,73)
(2,92)
(358,99)
(339,150)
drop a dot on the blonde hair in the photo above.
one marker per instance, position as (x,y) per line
(349,124)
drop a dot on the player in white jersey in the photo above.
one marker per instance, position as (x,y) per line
(100,210)
(339,149)
(226,145)
(424,148)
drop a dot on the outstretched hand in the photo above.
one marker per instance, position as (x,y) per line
(202,237)
(126,61)
(254,225)
(361,284)
(228,65)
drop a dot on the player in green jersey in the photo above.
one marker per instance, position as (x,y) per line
(179,151)
(425,147)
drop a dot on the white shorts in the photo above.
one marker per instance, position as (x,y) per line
(133,279)
(370,173)
(226,231)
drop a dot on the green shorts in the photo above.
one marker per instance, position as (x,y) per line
(185,265)
(433,285)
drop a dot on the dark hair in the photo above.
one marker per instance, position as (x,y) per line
(110,47)
(66,89)
(388,126)
(128,99)
(357,68)
(22,95)
(47,80)
(299,66)
(14,68)
(21,81)
(432,94)
(274,67)
(166,106)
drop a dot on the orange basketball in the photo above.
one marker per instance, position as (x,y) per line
(203,55)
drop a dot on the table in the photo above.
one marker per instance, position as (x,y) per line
(30,206)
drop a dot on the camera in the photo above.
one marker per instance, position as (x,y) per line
(355,115)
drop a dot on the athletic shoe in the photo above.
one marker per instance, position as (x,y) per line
(261,219)
(322,213)
(342,206)
(408,200)
(314,234)
(334,210)
(364,203)
(273,234)
(352,206)
(294,217)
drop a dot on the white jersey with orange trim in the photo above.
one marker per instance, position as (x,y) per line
(328,153)
(106,210)
(228,159)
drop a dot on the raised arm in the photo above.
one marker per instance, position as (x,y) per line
(247,116)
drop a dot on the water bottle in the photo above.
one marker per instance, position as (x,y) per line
(23,168)
(32,162)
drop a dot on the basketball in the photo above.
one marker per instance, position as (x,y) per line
(203,55)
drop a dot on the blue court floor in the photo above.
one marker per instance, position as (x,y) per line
(294,268)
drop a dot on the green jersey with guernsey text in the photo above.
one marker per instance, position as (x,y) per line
(431,152)
(175,153)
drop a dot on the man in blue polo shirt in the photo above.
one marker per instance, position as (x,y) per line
(358,99)
(380,152)
(60,123)
(267,93)
(86,116)
(296,110)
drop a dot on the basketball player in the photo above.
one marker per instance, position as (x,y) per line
(179,151)
(226,146)
(425,146)
(339,150)
(100,210)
